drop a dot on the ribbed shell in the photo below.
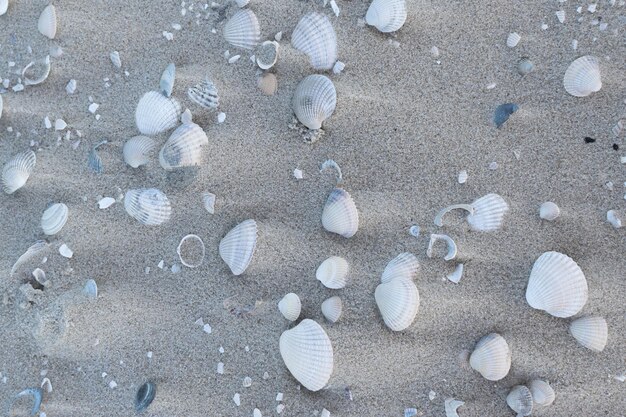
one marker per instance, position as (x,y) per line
(156,113)
(520,400)
(137,150)
(184,146)
(557,285)
(582,77)
(314,100)
(268,84)
(386,15)
(204,94)
(591,332)
(333,272)
(542,392)
(208,201)
(267,54)
(308,354)
(488,214)
(398,301)
(47,23)
(513,39)
(243,30)
(54,218)
(403,266)
(237,247)
(15,173)
(166,84)
(290,306)
(314,35)
(491,357)
(148,205)
(340,214)
(332,309)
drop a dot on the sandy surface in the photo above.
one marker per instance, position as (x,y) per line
(406,123)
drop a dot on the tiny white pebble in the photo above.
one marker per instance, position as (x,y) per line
(279,396)
(93,107)
(207,328)
(297,173)
(59,124)
(106,202)
(462,177)
(220,368)
(161,264)
(149,354)
(278,36)
(168,35)
(47,122)
(112,384)
(280,408)
(493,166)
(221,349)
(247,382)
(221,117)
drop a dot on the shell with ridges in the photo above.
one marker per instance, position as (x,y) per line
(15,173)
(333,272)
(488,213)
(582,77)
(314,100)
(290,306)
(137,150)
(243,30)
(340,214)
(148,205)
(47,23)
(237,247)
(386,15)
(549,211)
(204,94)
(332,308)
(491,357)
(542,392)
(54,218)
(314,35)
(591,332)
(398,301)
(156,113)
(520,400)
(513,39)
(184,146)
(403,266)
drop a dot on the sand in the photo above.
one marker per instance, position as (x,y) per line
(406,123)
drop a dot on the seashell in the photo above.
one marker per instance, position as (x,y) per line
(148,205)
(525,66)
(542,392)
(513,39)
(549,211)
(591,332)
(167,80)
(314,100)
(156,113)
(457,274)
(267,54)
(46,383)
(242,3)
(444,211)
(451,405)
(333,272)
(242,30)
(94,162)
(208,200)
(268,84)
(330,164)
(502,113)
(65,251)
(488,213)
(105,203)
(520,400)
(145,396)
(332,309)
(582,77)
(237,247)
(184,146)
(398,301)
(560,14)
(137,150)
(91,289)
(613,218)
(37,398)
(403,266)
(4,5)
(54,218)
(115,59)
(314,35)
(340,214)
(557,285)
(47,23)
(204,94)
(386,15)
(40,276)
(491,357)
(34,249)
(452,250)
(190,250)
(15,173)
(290,306)
(37,71)
(308,354)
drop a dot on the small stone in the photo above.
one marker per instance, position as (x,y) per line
(207,328)
(18,87)
(47,122)
(410,412)
(278,36)
(592,8)
(221,349)
(112,384)
(611,217)
(221,117)
(199,322)
(297,173)
(115,59)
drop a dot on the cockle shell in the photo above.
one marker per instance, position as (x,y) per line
(491,357)
(268,84)
(314,35)
(47,23)
(332,309)
(582,77)
(314,100)
(191,251)
(290,306)
(549,211)
(137,150)
(4,5)
(591,332)
(340,214)
(488,213)
(403,266)
(237,247)
(36,72)
(267,54)
(525,66)
(542,392)
(513,39)
(386,15)
(15,173)
(148,205)
(156,113)
(204,94)
(184,146)
(520,400)
(398,301)
(308,354)
(54,218)
(333,272)
(166,84)
(557,285)
(242,30)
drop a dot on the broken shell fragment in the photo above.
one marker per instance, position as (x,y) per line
(208,201)
(156,113)
(456,275)
(290,306)
(242,30)
(37,397)
(549,211)
(386,15)
(451,405)
(34,249)
(36,72)
(613,218)
(591,332)
(47,24)
(237,247)
(542,392)
(15,173)
(204,94)
(190,250)
(491,357)
(145,396)
(267,54)
(148,205)
(137,150)
(314,100)
(520,400)
(333,272)
(503,112)
(332,309)
(398,301)
(91,289)
(54,218)
(582,77)
(452,250)
(488,213)
(314,35)
(513,39)
(167,80)
(94,162)
(340,214)
(442,212)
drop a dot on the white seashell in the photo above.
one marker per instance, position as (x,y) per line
(398,301)
(332,309)
(333,272)
(403,266)
(166,84)
(314,100)
(115,59)
(451,405)
(452,250)
(237,247)
(268,84)
(34,249)
(314,35)
(267,54)
(242,3)
(542,392)
(457,274)
(15,173)
(242,30)
(65,251)
(54,218)
(591,332)
(208,200)
(462,179)
(191,251)
(137,150)
(106,202)
(442,212)
(47,23)
(156,113)
(340,214)
(386,15)
(613,218)
(513,39)
(36,72)
(488,213)
(491,357)
(184,146)
(290,306)
(204,94)
(557,285)
(330,164)
(4,5)
(70,88)
(40,276)
(520,400)
(148,205)
(549,211)
(91,289)
(308,354)
(582,77)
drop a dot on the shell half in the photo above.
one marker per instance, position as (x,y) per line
(243,30)
(386,15)
(398,301)
(542,392)
(488,213)
(520,400)
(333,272)
(491,357)
(184,146)
(47,24)
(332,308)
(314,100)
(237,247)
(314,35)
(290,306)
(149,206)
(137,150)
(340,214)
(403,266)
(156,113)
(54,218)
(204,94)
(591,332)
(16,172)
(582,77)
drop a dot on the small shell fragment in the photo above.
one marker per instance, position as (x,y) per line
(525,66)
(560,14)
(91,289)
(268,84)
(148,205)
(456,275)
(613,218)
(37,397)
(503,112)
(462,177)
(452,249)
(168,77)
(36,72)
(65,251)
(191,251)
(145,396)
(451,405)
(204,94)
(115,59)
(267,54)
(208,201)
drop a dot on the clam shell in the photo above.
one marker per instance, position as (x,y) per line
(542,392)
(237,247)
(15,173)
(591,332)
(137,150)
(520,400)
(314,35)
(166,84)
(513,39)
(398,301)
(333,272)
(386,15)
(582,77)
(54,218)
(308,354)
(290,306)
(491,357)
(148,205)
(4,5)
(503,112)
(340,214)
(557,285)
(488,213)
(36,72)
(332,309)
(314,100)
(184,146)
(403,266)
(47,23)
(243,30)
(268,84)
(267,54)
(549,211)
(145,396)
(190,251)
(204,94)
(156,113)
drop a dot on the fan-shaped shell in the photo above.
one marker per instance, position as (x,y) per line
(268,84)
(184,147)
(582,77)
(398,301)
(308,354)
(148,205)
(290,306)
(15,173)
(333,272)
(491,357)
(243,30)
(549,211)
(204,94)
(237,247)
(267,54)
(314,100)
(386,15)
(542,392)
(513,39)
(340,214)
(54,218)
(488,213)
(37,71)
(47,23)
(156,113)
(403,266)
(591,332)
(314,35)
(191,251)
(557,285)
(332,309)
(137,150)
(520,400)
(166,84)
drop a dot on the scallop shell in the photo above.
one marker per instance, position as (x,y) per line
(403,266)
(340,214)
(557,285)
(333,272)
(488,213)
(549,211)
(332,309)
(237,247)
(37,71)
(591,332)
(54,218)
(398,301)
(204,94)
(47,23)
(166,84)
(314,100)
(156,113)
(243,30)
(268,84)
(145,396)
(582,77)
(184,147)
(542,392)
(15,173)
(148,205)
(386,15)
(308,354)
(520,400)
(4,5)
(290,306)
(513,39)
(190,251)
(137,150)
(314,35)
(267,54)
(491,357)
